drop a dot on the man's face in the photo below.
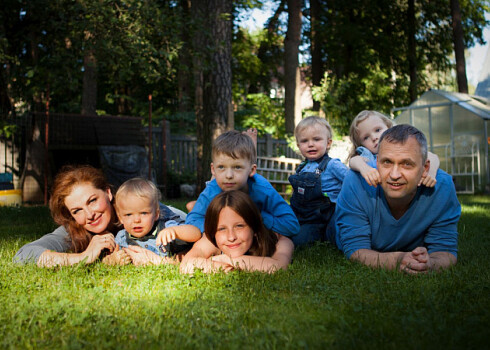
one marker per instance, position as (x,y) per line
(401,168)
(232,174)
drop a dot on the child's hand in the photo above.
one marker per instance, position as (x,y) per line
(428,181)
(166,236)
(118,257)
(371,175)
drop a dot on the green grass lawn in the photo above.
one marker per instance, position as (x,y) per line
(322,301)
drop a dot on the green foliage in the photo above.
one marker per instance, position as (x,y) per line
(264,113)
(343,98)
(7,130)
(366,52)
(321,301)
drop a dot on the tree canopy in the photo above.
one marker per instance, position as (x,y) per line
(361,54)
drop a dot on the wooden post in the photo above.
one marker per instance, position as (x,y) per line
(268,145)
(46,147)
(150,137)
(164,155)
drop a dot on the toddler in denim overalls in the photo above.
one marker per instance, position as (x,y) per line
(317,181)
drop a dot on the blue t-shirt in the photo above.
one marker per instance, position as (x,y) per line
(332,178)
(276,213)
(364,219)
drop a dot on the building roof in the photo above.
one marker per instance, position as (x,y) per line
(474,104)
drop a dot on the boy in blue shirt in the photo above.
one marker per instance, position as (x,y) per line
(234,168)
(317,181)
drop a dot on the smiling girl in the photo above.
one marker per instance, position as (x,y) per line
(235,238)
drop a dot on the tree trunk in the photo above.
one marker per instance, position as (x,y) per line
(212,75)
(412,53)
(291,66)
(184,74)
(459,47)
(89,94)
(316,52)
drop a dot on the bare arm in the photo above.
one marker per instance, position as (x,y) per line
(416,261)
(279,260)
(187,233)
(97,244)
(430,179)
(370,174)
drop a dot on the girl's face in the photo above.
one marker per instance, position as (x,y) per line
(370,130)
(233,235)
(90,207)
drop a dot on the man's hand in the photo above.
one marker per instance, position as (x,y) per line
(416,261)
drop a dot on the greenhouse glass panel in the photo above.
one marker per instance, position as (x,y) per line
(441,126)
(466,122)
(421,121)
(403,118)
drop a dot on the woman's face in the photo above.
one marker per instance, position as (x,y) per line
(90,207)
(233,236)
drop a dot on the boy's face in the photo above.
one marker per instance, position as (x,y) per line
(137,214)
(314,141)
(232,174)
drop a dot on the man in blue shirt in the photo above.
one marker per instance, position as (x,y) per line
(399,224)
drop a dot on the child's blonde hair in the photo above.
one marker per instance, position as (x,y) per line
(354,131)
(235,145)
(311,122)
(139,187)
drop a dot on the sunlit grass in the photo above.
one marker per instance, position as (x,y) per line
(322,301)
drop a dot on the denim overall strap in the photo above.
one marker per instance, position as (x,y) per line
(308,201)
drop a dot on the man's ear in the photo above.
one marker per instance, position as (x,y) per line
(426,168)
(253,171)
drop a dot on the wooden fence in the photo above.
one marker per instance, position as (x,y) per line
(276,160)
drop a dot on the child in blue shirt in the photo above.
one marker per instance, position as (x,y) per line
(365,132)
(317,181)
(234,168)
(138,209)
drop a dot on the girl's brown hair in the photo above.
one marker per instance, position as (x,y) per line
(354,131)
(67,178)
(264,240)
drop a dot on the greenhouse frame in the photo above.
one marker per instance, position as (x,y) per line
(457,129)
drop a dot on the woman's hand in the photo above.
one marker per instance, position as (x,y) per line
(97,244)
(119,257)
(142,257)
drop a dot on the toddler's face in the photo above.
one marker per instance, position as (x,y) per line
(233,235)
(370,130)
(314,142)
(137,214)
(232,174)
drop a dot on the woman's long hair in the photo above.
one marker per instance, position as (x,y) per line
(67,178)
(264,240)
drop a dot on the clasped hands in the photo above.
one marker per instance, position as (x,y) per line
(415,262)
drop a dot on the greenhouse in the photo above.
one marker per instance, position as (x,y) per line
(457,130)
